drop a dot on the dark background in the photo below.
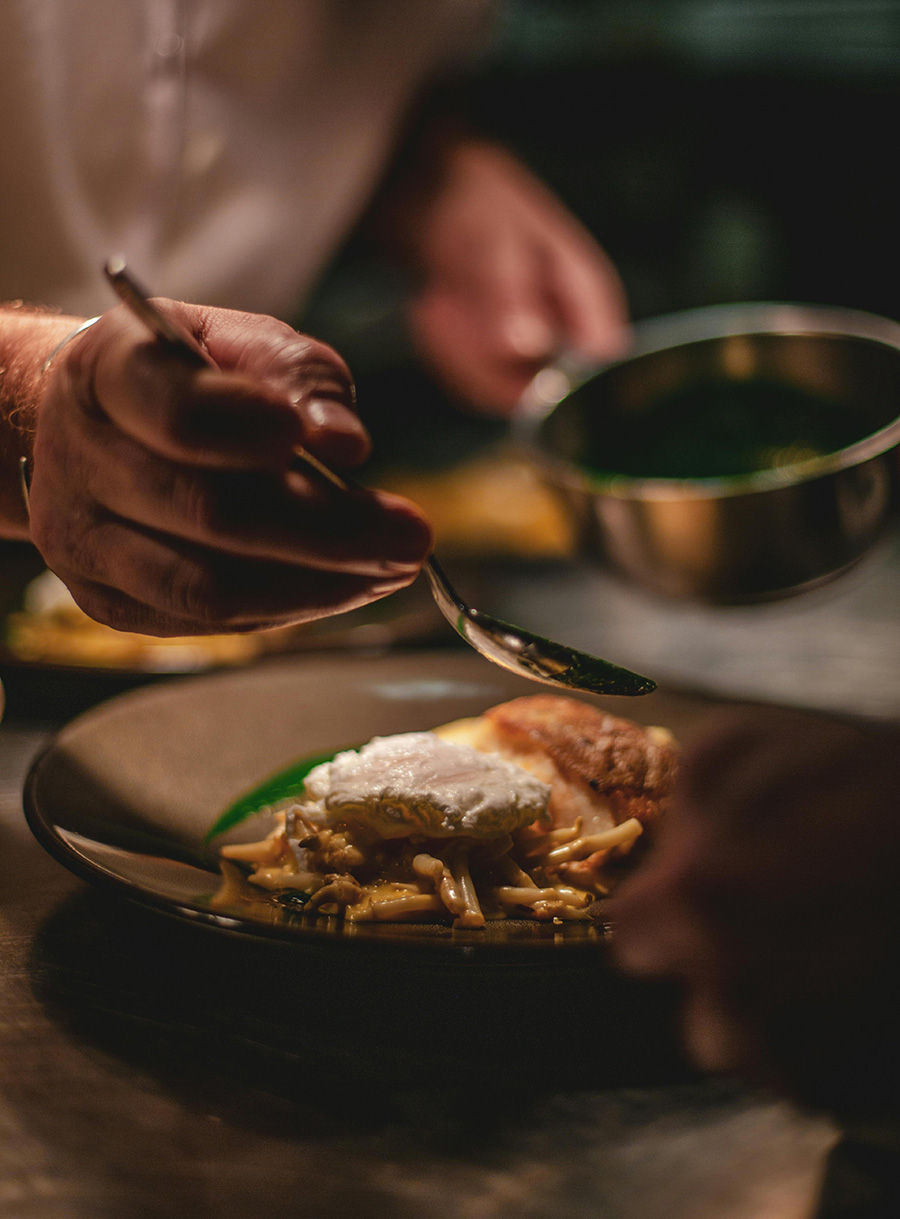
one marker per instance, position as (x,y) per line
(720,150)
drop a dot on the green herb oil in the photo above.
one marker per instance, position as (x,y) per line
(722,429)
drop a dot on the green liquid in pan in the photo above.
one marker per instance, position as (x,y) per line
(723,429)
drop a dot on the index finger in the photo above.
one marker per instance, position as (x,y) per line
(198,416)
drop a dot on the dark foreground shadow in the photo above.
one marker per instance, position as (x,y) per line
(261,1030)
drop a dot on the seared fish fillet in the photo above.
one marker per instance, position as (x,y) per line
(600,767)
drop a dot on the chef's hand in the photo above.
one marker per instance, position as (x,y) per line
(508,279)
(773,894)
(162,495)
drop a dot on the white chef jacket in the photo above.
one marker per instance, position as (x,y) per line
(223,146)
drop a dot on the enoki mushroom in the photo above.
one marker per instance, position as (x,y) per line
(544,875)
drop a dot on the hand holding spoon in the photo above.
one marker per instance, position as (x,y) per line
(512,647)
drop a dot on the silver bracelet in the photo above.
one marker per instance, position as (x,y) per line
(73,334)
(25,485)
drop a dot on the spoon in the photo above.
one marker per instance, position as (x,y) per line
(512,647)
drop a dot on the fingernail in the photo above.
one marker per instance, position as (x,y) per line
(382,588)
(325,413)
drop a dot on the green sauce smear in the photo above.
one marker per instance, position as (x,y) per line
(287,782)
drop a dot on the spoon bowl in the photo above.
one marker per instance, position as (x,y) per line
(527,654)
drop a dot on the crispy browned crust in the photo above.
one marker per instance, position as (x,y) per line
(616,759)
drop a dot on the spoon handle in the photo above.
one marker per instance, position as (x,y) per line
(130,293)
(182,343)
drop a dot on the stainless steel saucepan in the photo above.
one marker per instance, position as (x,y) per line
(741,536)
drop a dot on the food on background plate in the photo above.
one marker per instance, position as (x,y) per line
(526,811)
(52,629)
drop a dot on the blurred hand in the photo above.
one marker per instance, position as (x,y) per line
(509,279)
(162,495)
(772,893)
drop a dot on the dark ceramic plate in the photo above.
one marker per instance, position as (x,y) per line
(125,794)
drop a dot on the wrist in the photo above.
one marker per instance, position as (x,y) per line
(28,337)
